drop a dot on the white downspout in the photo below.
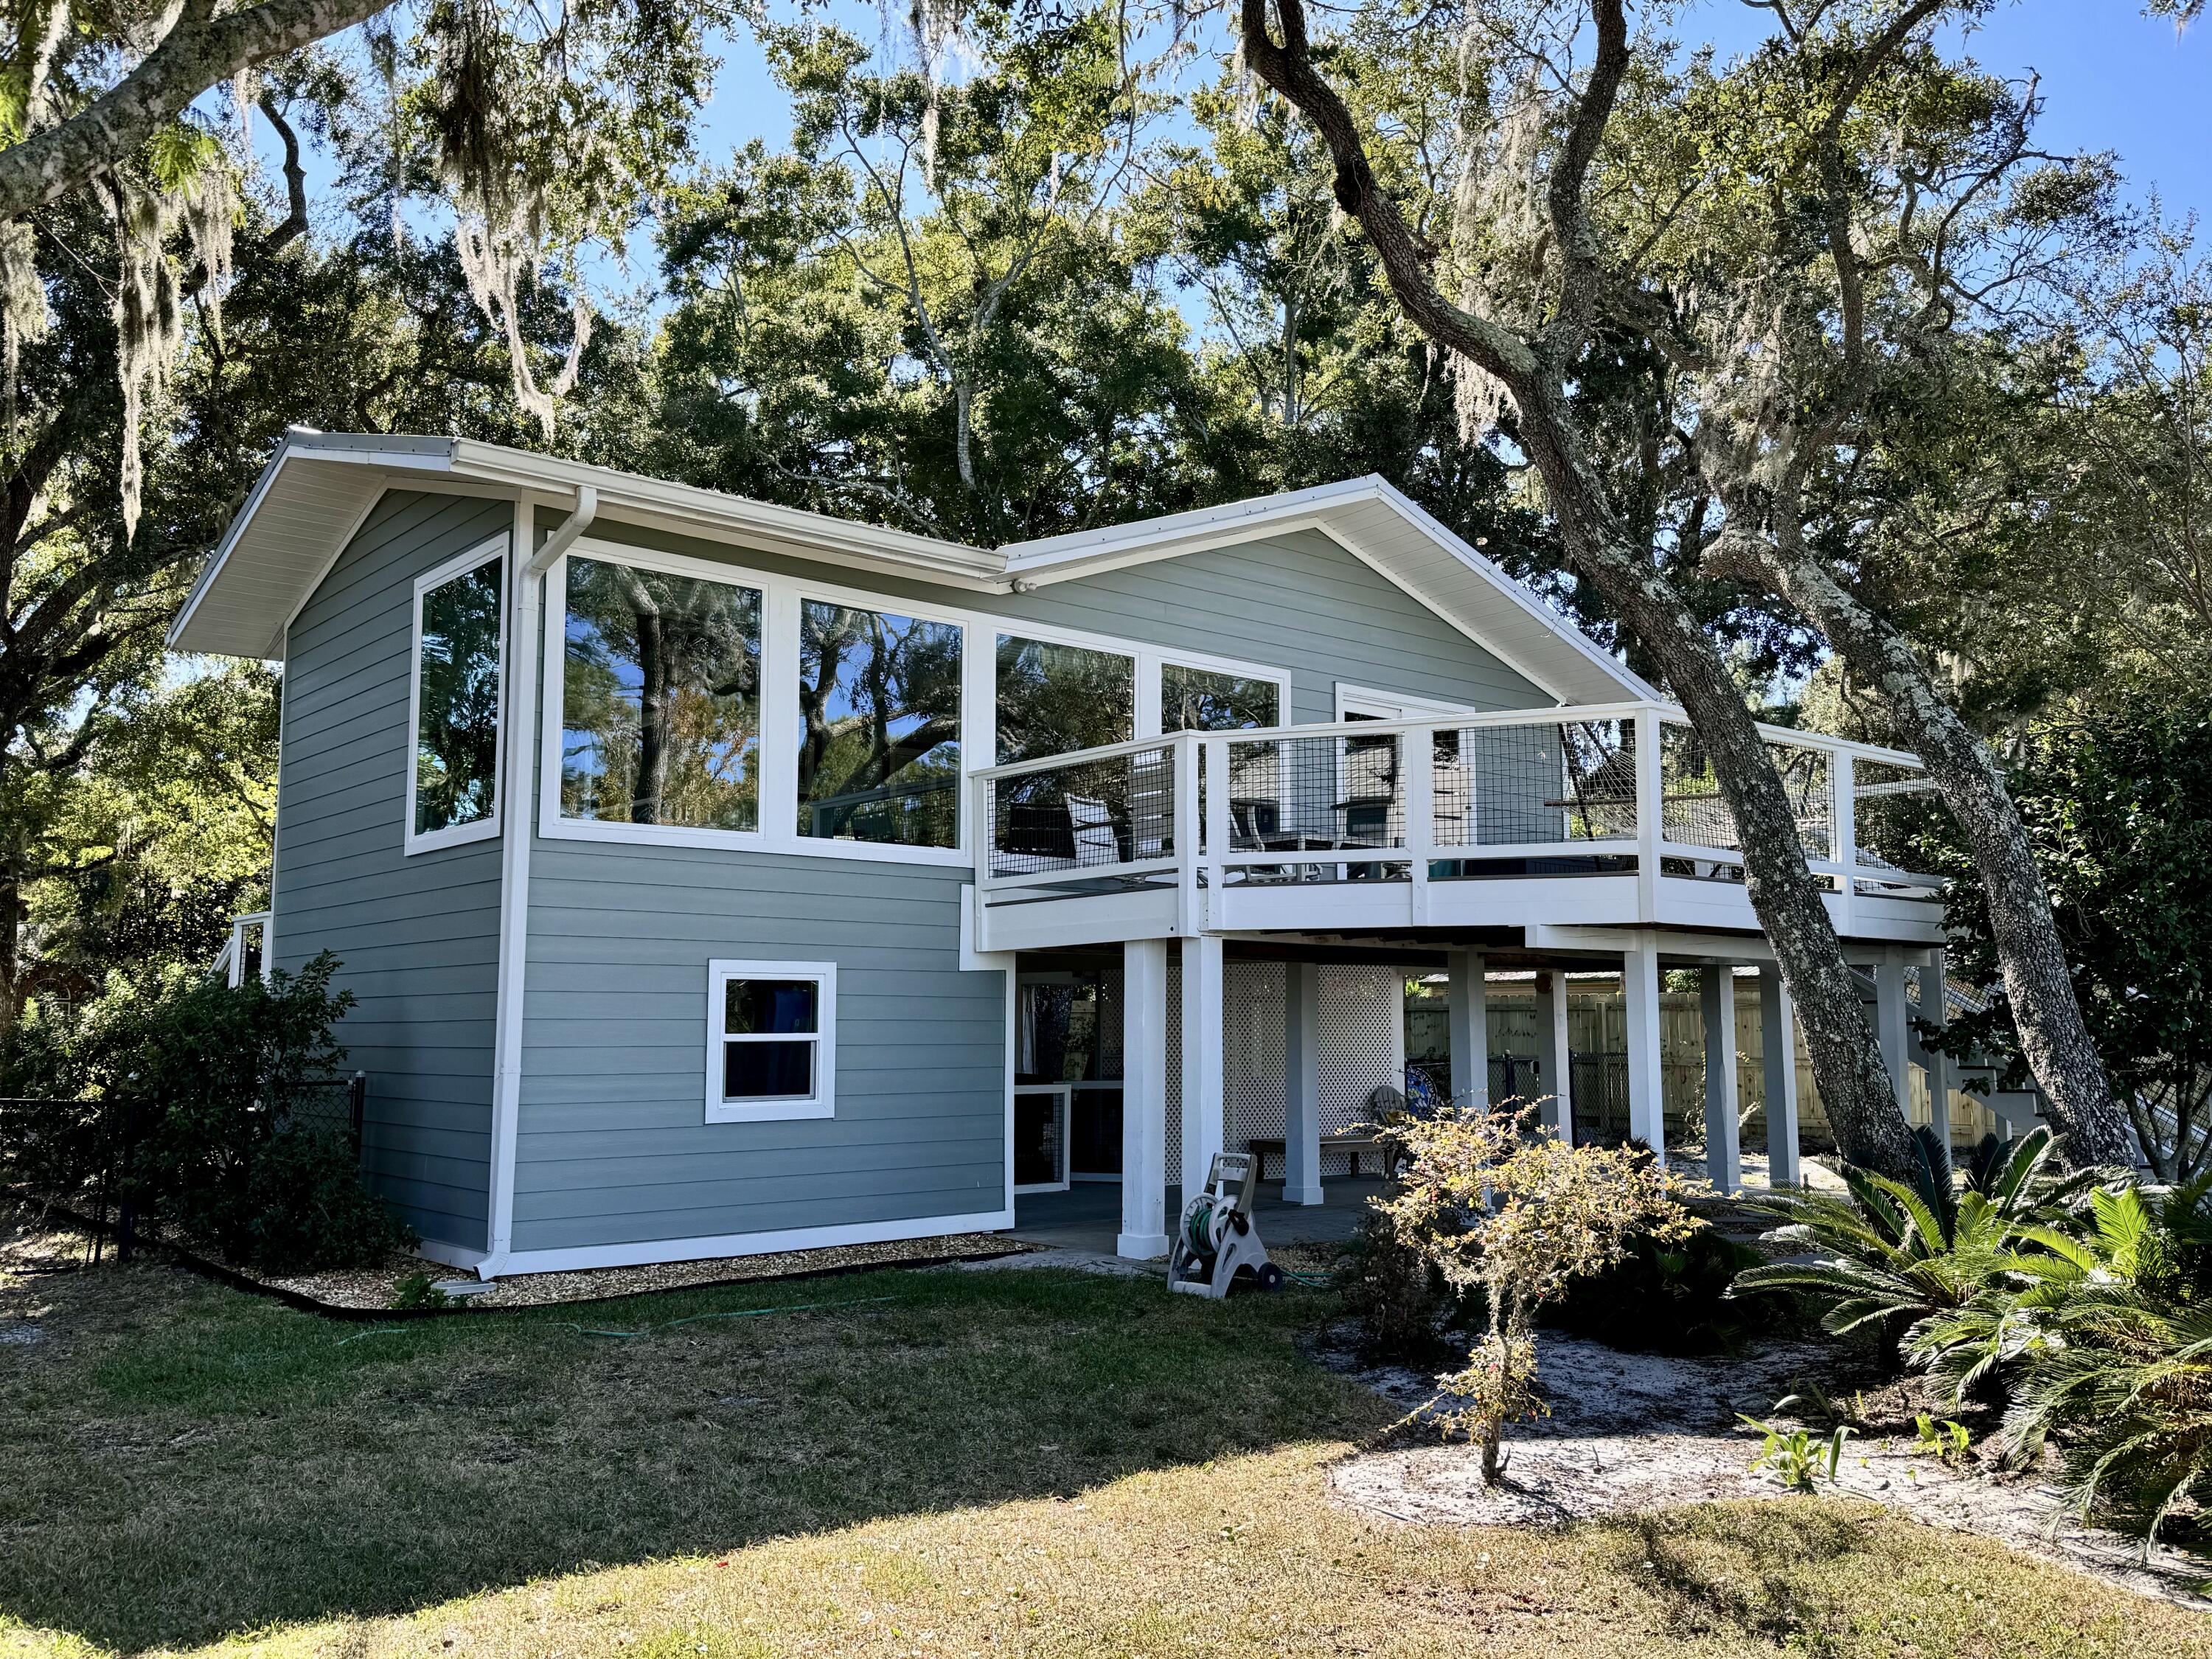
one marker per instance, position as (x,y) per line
(520,786)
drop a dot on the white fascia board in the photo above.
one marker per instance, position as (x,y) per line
(1634,686)
(305,447)
(1050,557)
(713,514)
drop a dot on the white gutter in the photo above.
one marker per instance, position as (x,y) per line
(517,829)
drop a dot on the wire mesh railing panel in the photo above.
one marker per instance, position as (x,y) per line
(1890,805)
(1808,780)
(1086,815)
(1504,786)
(1325,795)
(1693,811)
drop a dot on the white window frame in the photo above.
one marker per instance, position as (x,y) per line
(1164,660)
(1364,702)
(492,550)
(822,1103)
(781,595)
(778,829)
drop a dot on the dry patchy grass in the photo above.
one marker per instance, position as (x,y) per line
(1018,1464)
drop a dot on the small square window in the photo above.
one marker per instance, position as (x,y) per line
(771,1032)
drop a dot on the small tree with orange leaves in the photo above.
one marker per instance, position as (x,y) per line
(1500,1205)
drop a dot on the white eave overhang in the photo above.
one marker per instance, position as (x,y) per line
(1388,530)
(315,491)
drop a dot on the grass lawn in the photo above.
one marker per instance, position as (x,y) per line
(936,1462)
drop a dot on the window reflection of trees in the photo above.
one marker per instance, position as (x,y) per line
(1054,698)
(456,707)
(661,699)
(1198,700)
(880,726)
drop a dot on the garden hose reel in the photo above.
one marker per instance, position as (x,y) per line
(1216,1241)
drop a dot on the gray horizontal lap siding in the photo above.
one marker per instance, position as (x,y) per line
(612,1145)
(418,937)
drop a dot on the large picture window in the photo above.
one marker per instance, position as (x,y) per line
(878,727)
(1053,698)
(1201,699)
(661,699)
(771,1040)
(454,778)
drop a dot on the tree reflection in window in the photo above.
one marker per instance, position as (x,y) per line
(661,699)
(878,727)
(1053,698)
(457,701)
(1198,700)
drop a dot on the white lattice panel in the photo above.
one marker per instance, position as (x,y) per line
(1252,1050)
(1362,1040)
(1174,1072)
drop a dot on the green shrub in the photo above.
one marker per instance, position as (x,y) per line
(1671,1298)
(216,1089)
(1397,1297)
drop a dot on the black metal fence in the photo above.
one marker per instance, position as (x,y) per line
(87,1155)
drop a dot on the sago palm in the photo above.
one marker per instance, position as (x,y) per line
(1893,1254)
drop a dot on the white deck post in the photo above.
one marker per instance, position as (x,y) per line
(1935,1010)
(1639,985)
(1723,1156)
(1891,1030)
(1469,1019)
(1144,1099)
(1201,1058)
(1557,1112)
(1778,1045)
(1302,1084)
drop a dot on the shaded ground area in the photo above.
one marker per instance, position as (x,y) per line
(1632,1431)
(936,1462)
(1088,1215)
(185,1461)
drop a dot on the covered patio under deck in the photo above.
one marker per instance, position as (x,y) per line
(1564,841)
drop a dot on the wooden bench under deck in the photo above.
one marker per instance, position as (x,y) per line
(1353,1145)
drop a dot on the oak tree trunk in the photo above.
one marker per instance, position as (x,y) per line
(2053,1036)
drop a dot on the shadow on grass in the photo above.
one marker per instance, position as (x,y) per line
(185,1461)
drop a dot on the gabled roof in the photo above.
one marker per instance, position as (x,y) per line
(316,489)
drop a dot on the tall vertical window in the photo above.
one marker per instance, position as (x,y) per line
(878,727)
(1200,699)
(660,699)
(452,784)
(771,1040)
(1053,698)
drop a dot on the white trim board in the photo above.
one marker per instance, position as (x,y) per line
(493,549)
(652,1253)
(781,594)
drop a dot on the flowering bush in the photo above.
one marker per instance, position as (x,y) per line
(1508,1209)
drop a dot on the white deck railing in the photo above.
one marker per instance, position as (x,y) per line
(1616,789)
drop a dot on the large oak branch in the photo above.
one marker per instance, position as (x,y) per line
(200,51)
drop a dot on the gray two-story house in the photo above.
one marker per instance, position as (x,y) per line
(715,877)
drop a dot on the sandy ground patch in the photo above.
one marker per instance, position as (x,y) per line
(1639,1431)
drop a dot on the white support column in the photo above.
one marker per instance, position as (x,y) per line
(1302,1084)
(1557,1112)
(1639,984)
(1777,1044)
(1469,1021)
(1935,1011)
(1723,1156)
(1890,1031)
(1144,1099)
(1201,1058)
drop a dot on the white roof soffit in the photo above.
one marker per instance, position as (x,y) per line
(1384,529)
(317,487)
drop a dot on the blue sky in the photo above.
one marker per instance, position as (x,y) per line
(2112,79)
